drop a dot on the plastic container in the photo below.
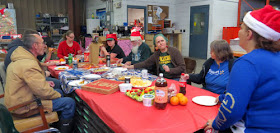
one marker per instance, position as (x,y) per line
(86,55)
(124,87)
(148,100)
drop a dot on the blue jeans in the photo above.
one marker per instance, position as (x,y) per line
(64,104)
(55,81)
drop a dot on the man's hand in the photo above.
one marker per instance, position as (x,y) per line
(51,83)
(47,73)
(128,66)
(119,61)
(128,63)
(166,68)
(51,63)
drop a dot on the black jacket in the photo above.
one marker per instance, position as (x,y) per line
(11,47)
(200,77)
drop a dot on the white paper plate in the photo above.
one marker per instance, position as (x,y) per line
(91,76)
(77,83)
(205,100)
(61,68)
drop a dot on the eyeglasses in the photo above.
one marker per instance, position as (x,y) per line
(42,43)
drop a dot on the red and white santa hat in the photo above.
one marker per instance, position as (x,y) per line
(135,36)
(265,21)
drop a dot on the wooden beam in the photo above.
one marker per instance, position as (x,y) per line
(77,17)
(267,2)
(71,14)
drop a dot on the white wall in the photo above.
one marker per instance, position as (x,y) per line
(222,13)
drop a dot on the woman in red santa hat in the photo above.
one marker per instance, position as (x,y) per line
(113,49)
(253,91)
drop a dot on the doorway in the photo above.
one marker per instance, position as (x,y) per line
(137,13)
(199,22)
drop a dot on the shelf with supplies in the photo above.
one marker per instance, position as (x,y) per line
(58,26)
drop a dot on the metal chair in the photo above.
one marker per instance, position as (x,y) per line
(190,66)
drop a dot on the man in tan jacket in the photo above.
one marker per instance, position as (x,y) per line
(26,81)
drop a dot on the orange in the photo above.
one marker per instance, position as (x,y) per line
(180,95)
(100,61)
(183,100)
(174,100)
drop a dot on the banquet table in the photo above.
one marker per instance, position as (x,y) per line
(123,114)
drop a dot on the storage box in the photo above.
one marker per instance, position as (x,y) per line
(102,86)
(149,37)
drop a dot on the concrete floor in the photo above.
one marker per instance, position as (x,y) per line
(199,63)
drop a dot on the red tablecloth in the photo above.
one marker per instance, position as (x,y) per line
(53,72)
(123,114)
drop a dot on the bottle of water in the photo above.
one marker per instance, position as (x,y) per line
(108,60)
(75,64)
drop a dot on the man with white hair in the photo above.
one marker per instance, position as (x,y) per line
(140,50)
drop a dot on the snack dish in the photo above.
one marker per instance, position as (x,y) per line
(139,83)
(131,77)
(61,68)
(137,94)
(78,83)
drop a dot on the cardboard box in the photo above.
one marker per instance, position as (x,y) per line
(150,43)
(101,39)
(94,53)
(102,86)
(149,37)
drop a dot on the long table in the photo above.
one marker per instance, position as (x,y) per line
(123,114)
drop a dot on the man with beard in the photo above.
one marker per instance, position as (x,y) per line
(140,50)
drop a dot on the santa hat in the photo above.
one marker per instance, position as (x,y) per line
(265,21)
(110,37)
(135,36)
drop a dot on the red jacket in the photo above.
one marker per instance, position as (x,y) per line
(64,49)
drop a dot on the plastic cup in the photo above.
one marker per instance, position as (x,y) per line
(148,100)
(144,73)
(124,87)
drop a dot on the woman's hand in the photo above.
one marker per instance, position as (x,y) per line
(79,51)
(208,125)
(186,76)
(119,61)
(166,68)
(217,100)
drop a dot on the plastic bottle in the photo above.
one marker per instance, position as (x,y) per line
(108,60)
(182,84)
(161,92)
(75,64)
(70,58)
(86,55)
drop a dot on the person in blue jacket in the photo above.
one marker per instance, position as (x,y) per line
(253,91)
(215,71)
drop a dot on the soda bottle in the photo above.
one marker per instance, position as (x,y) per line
(70,58)
(182,84)
(161,92)
(108,60)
